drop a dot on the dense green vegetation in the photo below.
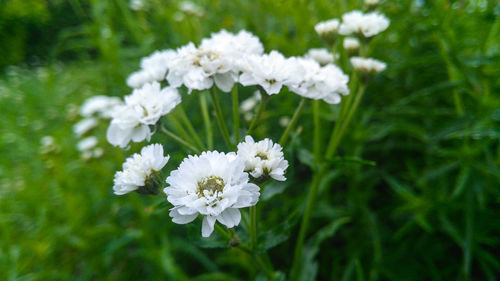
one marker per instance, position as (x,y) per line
(413,195)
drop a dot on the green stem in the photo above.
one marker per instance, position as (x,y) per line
(294,120)
(253,227)
(220,118)
(236,114)
(189,125)
(178,128)
(263,101)
(179,140)
(317,133)
(297,257)
(206,121)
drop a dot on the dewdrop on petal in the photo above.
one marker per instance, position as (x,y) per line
(351,45)
(141,172)
(214,185)
(263,159)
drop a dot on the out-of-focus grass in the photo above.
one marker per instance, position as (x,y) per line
(430,122)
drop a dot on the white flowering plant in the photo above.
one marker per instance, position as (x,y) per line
(223,176)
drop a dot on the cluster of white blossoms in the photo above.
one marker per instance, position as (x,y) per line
(321,56)
(351,44)
(216,184)
(367,65)
(226,58)
(367,25)
(138,169)
(144,107)
(92,110)
(328,27)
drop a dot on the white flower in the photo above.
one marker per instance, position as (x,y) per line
(368,25)
(371,2)
(138,168)
(321,56)
(351,44)
(214,185)
(248,104)
(199,68)
(327,83)
(87,143)
(153,68)
(263,158)
(367,65)
(136,5)
(270,71)
(84,125)
(325,28)
(144,107)
(189,7)
(99,105)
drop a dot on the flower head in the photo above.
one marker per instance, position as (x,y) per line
(368,25)
(367,65)
(326,28)
(153,68)
(138,169)
(321,56)
(351,44)
(142,108)
(214,185)
(102,106)
(263,158)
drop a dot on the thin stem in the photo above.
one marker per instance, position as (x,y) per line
(297,257)
(189,125)
(179,140)
(317,133)
(178,127)
(220,117)
(262,106)
(206,121)
(236,114)
(253,227)
(294,120)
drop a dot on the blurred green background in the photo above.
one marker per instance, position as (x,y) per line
(428,209)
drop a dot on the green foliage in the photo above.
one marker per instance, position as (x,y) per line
(413,193)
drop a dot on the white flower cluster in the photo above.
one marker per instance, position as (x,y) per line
(216,185)
(144,107)
(225,59)
(92,110)
(351,44)
(368,25)
(139,168)
(321,56)
(367,65)
(328,27)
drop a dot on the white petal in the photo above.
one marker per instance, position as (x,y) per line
(181,219)
(117,136)
(230,217)
(207,226)
(224,81)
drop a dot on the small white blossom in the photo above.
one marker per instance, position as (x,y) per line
(351,44)
(153,68)
(84,125)
(325,28)
(144,107)
(189,7)
(136,5)
(271,71)
(87,143)
(371,2)
(368,25)
(214,185)
(102,106)
(248,104)
(321,56)
(263,158)
(138,168)
(367,65)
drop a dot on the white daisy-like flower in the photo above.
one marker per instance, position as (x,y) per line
(153,68)
(214,185)
(138,169)
(263,158)
(144,107)
(102,106)
(351,44)
(367,65)
(84,125)
(328,27)
(327,83)
(320,55)
(270,71)
(368,25)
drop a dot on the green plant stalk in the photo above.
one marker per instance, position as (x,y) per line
(179,128)
(236,114)
(292,123)
(260,110)
(189,126)
(317,133)
(206,121)
(179,140)
(220,118)
(253,227)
